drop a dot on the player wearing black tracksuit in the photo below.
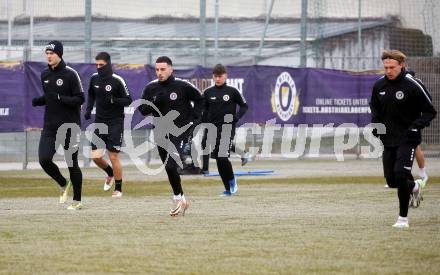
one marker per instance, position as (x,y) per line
(221,102)
(405,108)
(111,95)
(62,98)
(171,95)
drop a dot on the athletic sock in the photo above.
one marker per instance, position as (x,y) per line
(109,171)
(63,184)
(118,185)
(402,219)
(422,172)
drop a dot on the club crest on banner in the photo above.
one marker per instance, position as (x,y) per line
(285,100)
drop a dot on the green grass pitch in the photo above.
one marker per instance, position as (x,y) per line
(289,225)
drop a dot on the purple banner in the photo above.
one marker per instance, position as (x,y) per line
(290,95)
(337,97)
(11,101)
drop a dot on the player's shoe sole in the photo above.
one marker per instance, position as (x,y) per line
(116,194)
(179,208)
(108,183)
(401,225)
(64,194)
(417,197)
(246,158)
(75,206)
(411,200)
(233,185)
(422,183)
(226,193)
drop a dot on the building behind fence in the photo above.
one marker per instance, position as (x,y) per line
(332,34)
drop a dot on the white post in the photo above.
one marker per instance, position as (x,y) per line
(203,33)
(216,32)
(9,12)
(31,29)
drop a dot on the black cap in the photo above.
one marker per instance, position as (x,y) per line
(56,47)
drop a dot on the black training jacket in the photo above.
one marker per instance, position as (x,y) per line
(63,96)
(402,105)
(173,94)
(223,100)
(111,95)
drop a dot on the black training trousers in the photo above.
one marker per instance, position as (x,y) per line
(397,164)
(46,151)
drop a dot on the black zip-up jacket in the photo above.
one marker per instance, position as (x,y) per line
(111,95)
(404,106)
(173,94)
(63,96)
(223,100)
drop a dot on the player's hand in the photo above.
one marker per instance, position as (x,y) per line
(35,101)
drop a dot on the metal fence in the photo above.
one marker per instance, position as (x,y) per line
(333,34)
